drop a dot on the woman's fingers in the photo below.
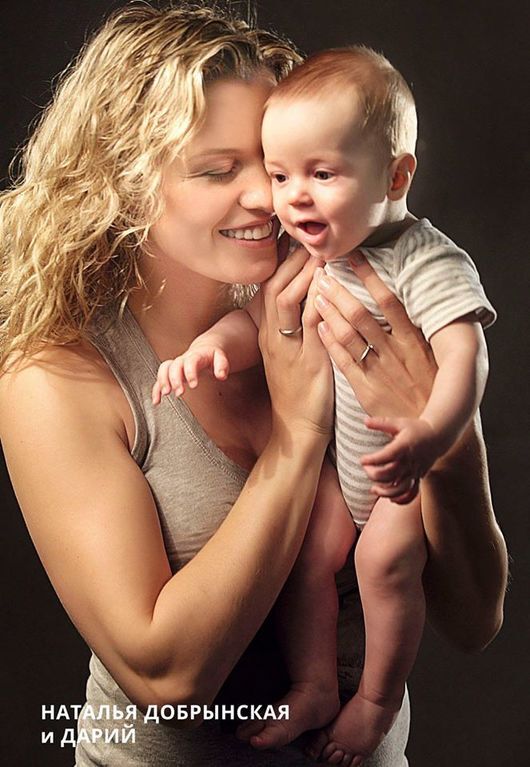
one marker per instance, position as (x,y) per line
(285,273)
(390,306)
(343,332)
(289,300)
(352,311)
(284,245)
(394,374)
(340,356)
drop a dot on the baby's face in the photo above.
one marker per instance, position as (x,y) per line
(329,183)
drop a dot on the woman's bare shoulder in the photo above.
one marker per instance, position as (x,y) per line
(62,382)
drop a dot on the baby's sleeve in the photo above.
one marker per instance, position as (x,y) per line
(437,281)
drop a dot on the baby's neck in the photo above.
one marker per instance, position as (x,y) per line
(389,231)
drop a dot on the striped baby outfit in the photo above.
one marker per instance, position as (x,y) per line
(437,283)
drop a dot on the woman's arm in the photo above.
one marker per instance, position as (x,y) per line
(466,575)
(93,520)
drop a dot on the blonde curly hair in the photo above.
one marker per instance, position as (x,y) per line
(74,222)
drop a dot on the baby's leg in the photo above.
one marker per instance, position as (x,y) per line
(389,560)
(306,621)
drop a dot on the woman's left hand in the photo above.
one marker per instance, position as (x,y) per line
(390,373)
(465,577)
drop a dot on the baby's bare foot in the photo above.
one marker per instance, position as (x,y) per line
(355,734)
(309,709)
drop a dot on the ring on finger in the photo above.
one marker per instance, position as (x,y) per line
(367,349)
(292,332)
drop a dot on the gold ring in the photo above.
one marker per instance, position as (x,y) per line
(290,332)
(369,348)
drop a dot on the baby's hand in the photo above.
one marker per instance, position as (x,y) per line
(173,375)
(397,467)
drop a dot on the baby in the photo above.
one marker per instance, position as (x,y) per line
(339,137)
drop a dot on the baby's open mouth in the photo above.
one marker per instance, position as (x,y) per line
(312,227)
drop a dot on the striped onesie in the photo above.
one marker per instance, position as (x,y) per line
(437,283)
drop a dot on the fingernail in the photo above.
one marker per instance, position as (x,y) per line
(319,272)
(357,258)
(321,301)
(324,283)
(323,328)
(165,389)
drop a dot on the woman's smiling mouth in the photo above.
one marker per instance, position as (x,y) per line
(261,232)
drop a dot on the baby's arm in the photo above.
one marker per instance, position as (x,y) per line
(461,355)
(230,345)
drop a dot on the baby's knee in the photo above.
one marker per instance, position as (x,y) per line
(389,565)
(325,550)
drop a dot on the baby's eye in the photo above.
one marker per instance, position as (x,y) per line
(279,177)
(323,175)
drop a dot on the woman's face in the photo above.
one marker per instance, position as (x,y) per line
(218,219)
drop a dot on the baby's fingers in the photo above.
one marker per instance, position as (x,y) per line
(176,376)
(409,494)
(391,453)
(221,366)
(387,472)
(156,394)
(396,491)
(192,364)
(162,385)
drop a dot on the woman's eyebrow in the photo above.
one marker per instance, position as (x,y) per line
(214,152)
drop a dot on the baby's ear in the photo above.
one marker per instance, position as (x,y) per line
(400,173)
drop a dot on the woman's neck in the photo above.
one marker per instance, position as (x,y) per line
(175,308)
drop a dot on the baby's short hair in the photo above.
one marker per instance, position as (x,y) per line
(387,102)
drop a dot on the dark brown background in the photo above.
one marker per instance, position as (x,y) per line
(466,62)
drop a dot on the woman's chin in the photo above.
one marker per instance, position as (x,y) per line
(259,271)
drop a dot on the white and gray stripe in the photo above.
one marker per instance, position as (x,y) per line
(437,282)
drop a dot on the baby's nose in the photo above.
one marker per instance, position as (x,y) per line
(298,194)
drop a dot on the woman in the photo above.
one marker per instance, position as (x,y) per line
(143,201)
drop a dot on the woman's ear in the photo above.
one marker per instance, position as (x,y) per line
(401,171)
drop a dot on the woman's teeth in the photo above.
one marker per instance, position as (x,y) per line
(253,233)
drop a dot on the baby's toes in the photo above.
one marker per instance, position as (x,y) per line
(317,743)
(247,730)
(335,757)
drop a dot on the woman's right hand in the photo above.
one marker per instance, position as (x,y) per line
(297,366)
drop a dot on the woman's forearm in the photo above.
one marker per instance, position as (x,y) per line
(466,575)
(226,591)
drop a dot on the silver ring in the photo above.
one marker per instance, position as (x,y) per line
(369,348)
(290,332)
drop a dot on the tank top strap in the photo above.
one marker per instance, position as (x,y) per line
(123,345)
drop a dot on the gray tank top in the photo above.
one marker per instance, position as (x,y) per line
(194,485)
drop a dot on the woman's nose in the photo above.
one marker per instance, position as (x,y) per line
(257,193)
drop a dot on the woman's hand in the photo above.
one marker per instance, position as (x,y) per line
(296,365)
(396,375)
(465,576)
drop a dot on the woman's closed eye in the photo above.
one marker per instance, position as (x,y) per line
(220,175)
